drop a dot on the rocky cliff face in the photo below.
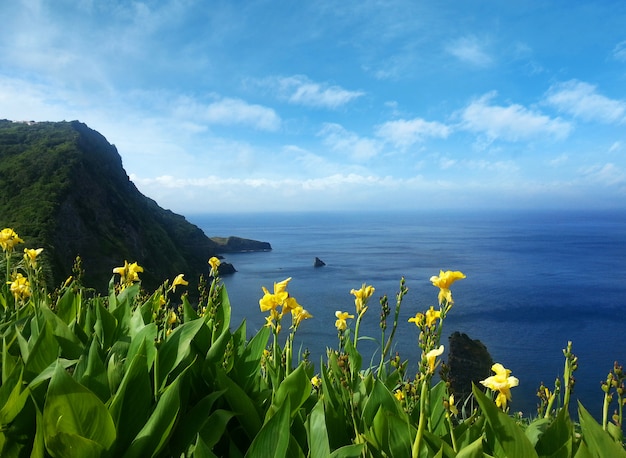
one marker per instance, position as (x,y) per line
(64,189)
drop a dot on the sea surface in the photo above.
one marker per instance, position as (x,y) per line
(535,280)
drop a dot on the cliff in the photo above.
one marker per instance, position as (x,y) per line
(63,188)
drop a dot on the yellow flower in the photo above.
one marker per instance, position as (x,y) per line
(172,317)
(341,324)
(298,314)
(133,270)
(8,239)
(30,256)
(20,287)
(316,381)
(443,282)
(179,280)
(452,406)
(270,301)
(399,394)
(431,358)
(502,382)
(432,315)
(214,263)
(418,319)
(361,296)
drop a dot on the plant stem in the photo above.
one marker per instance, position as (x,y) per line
(415,450)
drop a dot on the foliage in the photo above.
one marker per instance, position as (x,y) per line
(134,374)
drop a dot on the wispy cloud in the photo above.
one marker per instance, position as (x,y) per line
(349,143)
(619,52)
(471,50)
(606,174)
(229,111)
(300,90)
(583,101)
(511,123)
(403,133)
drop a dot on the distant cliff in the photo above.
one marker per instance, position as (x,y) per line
(63,188)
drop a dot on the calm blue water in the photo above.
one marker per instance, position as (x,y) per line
(534,281)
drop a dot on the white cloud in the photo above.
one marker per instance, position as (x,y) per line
(469,49)
(300,90)
(510,123)
(228,111)
(403,133)
(559,160)
(582,100)
(341,140)
(619,52)
(605,174)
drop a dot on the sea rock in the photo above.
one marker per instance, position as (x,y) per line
(469,362)
(318,262)
(239,245)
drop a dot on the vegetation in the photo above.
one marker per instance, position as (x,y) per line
(135,374)
(64,185)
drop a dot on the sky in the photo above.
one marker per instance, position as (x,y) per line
(239,106)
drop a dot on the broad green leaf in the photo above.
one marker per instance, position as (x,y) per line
(68,304)
(130,406)
(43,352)
(9,362)
(437,445)
(557,440)
(536,429)
(380,396)
(246,368)
(94,377)
(156,432)
(76,422)
(473,450)
(348,451)
(215,426)
(12,396)
(296,387)
(194,421)
(401,435)
(71,346)
(438,424)
(241,404)
(222,318)
(316,432)
(115,363)
(508,435)
(189,314)
(202,450)
(175,349)
(147,334)
(599,442)
(273,438)
(105,326)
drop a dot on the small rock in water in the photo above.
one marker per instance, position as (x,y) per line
(318,263)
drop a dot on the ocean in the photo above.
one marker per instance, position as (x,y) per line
(535,280)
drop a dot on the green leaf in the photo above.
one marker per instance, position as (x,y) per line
(599,442)
(401,436)
(130,406)
(193,422)
(189,314)
(215,426)
(156,432)
(536,429)
(246,367)
(509,437)
(71,346)
(12,396)
(273,438)
(147,334)
(241,404)
(67,305)
(175,349)
(473,450)
(316,432)
(43,352)
(94,377)
(76,422)
(348,451)
(557,440)
(105,326)
(438,423)
(296,387)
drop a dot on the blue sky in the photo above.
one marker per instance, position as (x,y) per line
(335,105)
